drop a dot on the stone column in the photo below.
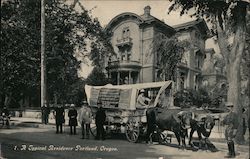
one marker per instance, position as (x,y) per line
(178,87)
(118,78)
(129,77)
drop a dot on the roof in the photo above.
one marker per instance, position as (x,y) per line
(141,20)
(200,23)
(123,16)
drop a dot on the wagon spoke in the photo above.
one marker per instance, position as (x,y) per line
(135,135)
(132,130)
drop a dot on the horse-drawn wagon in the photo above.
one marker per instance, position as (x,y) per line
(121,106)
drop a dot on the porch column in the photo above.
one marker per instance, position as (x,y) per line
(109,75)
(118,78)
(129,77)
(178,79)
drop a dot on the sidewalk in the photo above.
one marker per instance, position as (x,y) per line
(29,122)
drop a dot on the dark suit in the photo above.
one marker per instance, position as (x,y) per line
(59,115)
(100,120)
(72,114)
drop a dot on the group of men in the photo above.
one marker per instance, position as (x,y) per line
(84,117)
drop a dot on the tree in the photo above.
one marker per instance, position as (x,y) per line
(68,33)
(97,77)
(169,53)
(229,20)
(19,58)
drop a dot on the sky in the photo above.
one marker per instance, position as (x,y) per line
(106,10)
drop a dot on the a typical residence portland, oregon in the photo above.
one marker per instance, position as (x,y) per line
(135,62)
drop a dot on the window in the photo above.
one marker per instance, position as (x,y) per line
(129,57)
(125,33)
(182,80)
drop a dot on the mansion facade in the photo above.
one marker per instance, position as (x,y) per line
(132,37)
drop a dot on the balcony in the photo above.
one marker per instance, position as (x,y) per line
(124,64)
(124,42)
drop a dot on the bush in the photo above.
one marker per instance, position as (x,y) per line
(188,97)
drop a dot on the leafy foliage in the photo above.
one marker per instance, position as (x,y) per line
(19,47)
(68,34)
(223,10)
(169,53)
(187,98)
(97,77)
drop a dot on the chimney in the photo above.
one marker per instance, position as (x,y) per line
(147,11)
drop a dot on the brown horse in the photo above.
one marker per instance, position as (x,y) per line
(174,120)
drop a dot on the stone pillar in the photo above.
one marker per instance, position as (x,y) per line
(178,82)
(129,77)
(118,78)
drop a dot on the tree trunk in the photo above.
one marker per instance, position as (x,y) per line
(233,61)
(233,67)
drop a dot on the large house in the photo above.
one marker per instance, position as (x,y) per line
(132,37)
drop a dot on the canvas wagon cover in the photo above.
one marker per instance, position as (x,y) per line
(120,96)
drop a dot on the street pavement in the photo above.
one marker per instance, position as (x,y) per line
(29,139)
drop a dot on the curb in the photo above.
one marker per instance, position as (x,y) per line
(29,124)
(23,124)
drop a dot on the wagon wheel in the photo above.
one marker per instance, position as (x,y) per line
(132,130)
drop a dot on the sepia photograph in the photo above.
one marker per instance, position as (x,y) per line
(124,79)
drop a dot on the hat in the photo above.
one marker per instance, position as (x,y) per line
(72,105)
(142,91)
(229,104)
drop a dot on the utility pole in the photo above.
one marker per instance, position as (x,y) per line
(43,59)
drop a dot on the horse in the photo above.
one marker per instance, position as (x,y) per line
(203,126)
(174,120)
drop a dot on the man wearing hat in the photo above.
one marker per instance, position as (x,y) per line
(141,100)
(85,118)
(72,114)
(59,116)
(231,123)
(99,121)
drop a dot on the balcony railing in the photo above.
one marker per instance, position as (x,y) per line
(124,41)
(124,63)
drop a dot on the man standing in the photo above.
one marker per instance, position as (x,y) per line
(46,113)
(6,114)
(59,116)
(231,123)
(99,121)
(72,114)
(85,118)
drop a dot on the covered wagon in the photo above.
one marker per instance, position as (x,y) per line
(120,105)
